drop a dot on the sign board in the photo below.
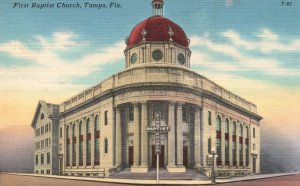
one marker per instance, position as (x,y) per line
(158,129)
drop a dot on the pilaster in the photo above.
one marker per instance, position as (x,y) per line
(118,137)
(144,137)
(197,155)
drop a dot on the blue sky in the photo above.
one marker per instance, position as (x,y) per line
(52,54)
(91,30)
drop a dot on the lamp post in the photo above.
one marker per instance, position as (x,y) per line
(213,155)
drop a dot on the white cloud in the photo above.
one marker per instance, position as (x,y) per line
(47,68)
(244,60)
(268,42)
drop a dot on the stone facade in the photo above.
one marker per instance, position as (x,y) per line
(102,130)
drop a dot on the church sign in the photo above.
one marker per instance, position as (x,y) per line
(157,129)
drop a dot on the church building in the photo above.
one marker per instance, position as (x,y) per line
(103,129)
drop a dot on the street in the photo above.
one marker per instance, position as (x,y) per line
(17,180)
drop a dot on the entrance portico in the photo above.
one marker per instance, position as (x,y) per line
(174,152)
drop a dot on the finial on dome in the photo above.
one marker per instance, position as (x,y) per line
(158,7)
(171,33)
(144,33)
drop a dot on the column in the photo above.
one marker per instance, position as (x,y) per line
(65,143)
(84,141)
(197,138)
(237,144)
(136,161)
(244,145)
(223,123)
(77,144)
(118,137)
(71,144)
(144,137)
(179,136)
(92,125)
(230,143)
(171,137)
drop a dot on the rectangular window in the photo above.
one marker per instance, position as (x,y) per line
(158,108)
(50,126)
(60,132)
(234,153)
(42,144)
(42,159)
(219,151)
(49,141)
(74,154)
(88,153)
(97,151)
(131,113)
(209,118)
(253,132)
(36,159)
(46,128)
(46,142)
(253,147)
(42,130)
(105,117)
(81,153)
(241,154)
(226,152)
(48,157)
(184,114)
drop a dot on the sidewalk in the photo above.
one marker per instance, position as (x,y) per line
(166,179)
(255,177)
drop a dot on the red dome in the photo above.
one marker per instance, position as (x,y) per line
(157,29)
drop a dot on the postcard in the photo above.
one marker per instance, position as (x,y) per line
(147,92)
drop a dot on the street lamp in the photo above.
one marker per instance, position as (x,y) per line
(213,155)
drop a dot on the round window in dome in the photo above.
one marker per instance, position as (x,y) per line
(133,58)
(181,59)
(157,55)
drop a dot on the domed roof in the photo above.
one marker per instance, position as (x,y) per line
(157,28)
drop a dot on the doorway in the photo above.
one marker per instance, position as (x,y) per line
(254,165)
(161,156)
(61,162)
(130,156)
(185,156)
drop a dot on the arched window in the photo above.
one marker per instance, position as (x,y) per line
(80,144)
(247,146)
(105,146)
(234,128)
(97,141)
(218,124)
(96,123)
(241,130)
(241,145)
(227,142)
(209,145)
(227,126)
(247,132)
(68,146)
(88,127)
(42,116)
(218,140)
(234,147)
(88,143)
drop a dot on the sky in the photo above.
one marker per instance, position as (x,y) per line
(251,48)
